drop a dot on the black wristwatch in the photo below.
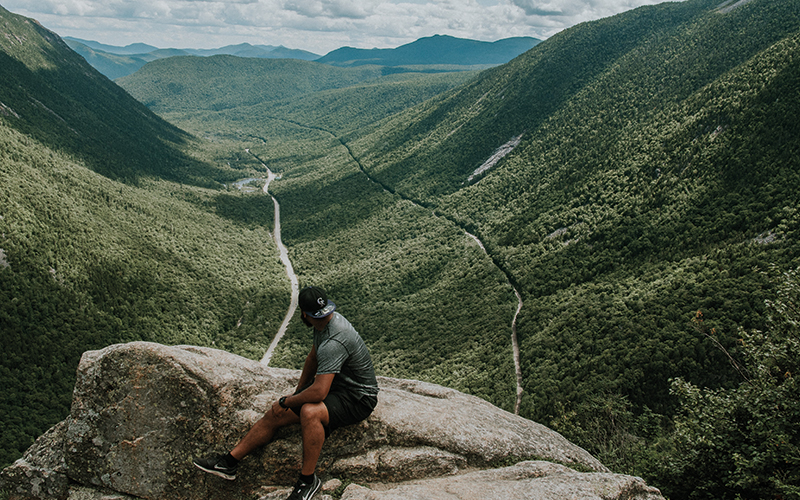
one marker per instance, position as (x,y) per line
(282,402)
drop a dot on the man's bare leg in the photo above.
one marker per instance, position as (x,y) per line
(263,431)
(313,419)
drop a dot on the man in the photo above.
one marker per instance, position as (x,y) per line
(337,388)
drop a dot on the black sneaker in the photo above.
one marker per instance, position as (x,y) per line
(303,491)
(217,465)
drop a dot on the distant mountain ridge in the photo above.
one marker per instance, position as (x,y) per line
(241,50)
(131,49)
(116,62)
(437,49)
(441,50)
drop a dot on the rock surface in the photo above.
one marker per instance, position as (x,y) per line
(524,481)
(141,411)
(41,472)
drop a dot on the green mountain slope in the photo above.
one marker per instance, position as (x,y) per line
(338,111)
(652,180)
(657,168)
(87,260)
(224,82)
(57,98)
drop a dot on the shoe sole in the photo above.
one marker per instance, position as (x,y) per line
(315,491)
(215,472)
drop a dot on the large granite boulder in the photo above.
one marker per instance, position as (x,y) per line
(141,411)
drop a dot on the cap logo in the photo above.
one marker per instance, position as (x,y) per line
(314,302)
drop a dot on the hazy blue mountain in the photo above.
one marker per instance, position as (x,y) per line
(241,50)
(112,65)
(116,62)
(132,49)
(257,51)
(440,52)
(437,49)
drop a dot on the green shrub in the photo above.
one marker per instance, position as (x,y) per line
(743,442)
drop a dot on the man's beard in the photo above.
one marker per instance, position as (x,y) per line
(306,322)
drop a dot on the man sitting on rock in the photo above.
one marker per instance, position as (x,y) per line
(337,388)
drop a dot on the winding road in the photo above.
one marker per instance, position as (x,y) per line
(284,256)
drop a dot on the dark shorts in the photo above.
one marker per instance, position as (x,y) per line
(345,408)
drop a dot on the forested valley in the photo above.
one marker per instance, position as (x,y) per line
(647,216)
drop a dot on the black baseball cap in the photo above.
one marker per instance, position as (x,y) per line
(314,302)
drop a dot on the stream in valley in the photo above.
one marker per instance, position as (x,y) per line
(284,257)
(514,339)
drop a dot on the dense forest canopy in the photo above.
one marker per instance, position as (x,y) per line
(646,213)
(653,175)
(109,233)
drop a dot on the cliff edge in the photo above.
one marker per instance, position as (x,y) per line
(141,411)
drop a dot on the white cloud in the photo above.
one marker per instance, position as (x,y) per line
(316,25)
(578,9)
(331,8)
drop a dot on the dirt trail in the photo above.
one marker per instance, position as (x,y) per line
(284,256)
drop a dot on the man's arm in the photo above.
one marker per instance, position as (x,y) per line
(309,370)
(314,393)
(316,386)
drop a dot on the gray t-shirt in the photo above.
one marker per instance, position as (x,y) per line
(341,350)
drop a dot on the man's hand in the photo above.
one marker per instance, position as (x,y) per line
(277,409)
(314,393)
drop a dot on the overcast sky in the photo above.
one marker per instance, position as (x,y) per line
(318,26)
